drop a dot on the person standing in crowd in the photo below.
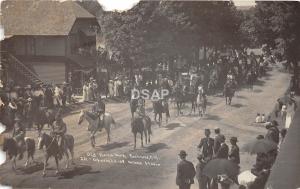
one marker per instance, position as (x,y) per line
(57,95)
(185,172)
(273,132)
(48,97)
(217,142)
(111,88)
(85,92)
(90,91)
(203,180)
(64,94)
(223,149)
(207,145)
(18,134)
(234,154)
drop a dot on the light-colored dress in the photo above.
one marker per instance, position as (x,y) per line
(84,92)
(111,88)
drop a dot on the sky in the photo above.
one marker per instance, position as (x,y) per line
(122,5)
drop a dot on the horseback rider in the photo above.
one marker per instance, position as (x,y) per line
(18,134)
(99,110)
(141,107)
(59,130)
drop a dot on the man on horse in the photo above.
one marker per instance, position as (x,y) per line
(99,110)
(59,130)
(18,134)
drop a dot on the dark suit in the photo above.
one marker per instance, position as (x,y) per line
(273,134)
(185,174)
(207,145)
(234,154)
(217,143)
(223,151)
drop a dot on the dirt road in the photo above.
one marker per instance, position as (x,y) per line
(117,165)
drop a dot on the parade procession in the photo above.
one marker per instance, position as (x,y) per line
(157,95)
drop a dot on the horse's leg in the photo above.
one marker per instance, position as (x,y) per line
(14,164)
(27,161)
(57,166)
(108,134)
(142,144)
(134,141)
(45,164)
(155,115)
(145,132)
(68,159)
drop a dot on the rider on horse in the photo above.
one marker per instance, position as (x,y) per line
(59,130)
(18,134)
(99,110)
(141,107)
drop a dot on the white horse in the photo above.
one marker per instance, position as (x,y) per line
(201,102)
(93,126)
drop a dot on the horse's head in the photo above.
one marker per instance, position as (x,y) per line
(5,144)
(81,117)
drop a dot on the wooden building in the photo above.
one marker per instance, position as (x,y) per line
(48,41)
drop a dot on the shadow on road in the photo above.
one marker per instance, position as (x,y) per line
(156,147)
(237,105)
(76,171)
(114,145)
(172,126)
(210,103)
(241,97)
(257,90)
(32,168)
(212,117)
(260,83)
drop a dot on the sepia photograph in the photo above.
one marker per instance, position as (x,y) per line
(149,94)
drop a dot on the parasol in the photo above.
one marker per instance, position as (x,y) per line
(260,146)
(217,167)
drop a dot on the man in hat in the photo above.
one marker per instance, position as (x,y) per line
(185,172)
(217,142)
(223,149)
(273,132)
(18,135)
(234,154)
(207,145)
(203,180)
(99,110)
(59,130)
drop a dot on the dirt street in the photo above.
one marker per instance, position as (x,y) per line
(116,165)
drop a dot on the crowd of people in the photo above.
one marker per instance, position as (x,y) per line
(217,148)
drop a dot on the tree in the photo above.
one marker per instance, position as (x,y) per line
(278,25)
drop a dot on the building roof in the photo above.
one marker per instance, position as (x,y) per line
(39,17)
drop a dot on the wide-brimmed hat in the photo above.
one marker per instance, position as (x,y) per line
(182,153)
(234,139)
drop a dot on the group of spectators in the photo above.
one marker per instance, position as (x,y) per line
(217,148)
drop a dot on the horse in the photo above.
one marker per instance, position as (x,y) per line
(12,148)
(250,80)
(201,102)
(93,121)
(158,110)
(44,116)
(52,148)
(142,125)
(133,106)
(228,92)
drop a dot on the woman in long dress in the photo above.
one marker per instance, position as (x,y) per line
(111,88)
(84,92)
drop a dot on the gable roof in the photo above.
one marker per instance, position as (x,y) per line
(39,17)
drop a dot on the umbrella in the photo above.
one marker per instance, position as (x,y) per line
(246,178)
(260,146)
(217,167)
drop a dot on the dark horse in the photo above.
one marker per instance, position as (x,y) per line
(229,90)
(13,150)
(53,149)
(44,116)
(182,98)
(133,106)
(141,125)
(158,110)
